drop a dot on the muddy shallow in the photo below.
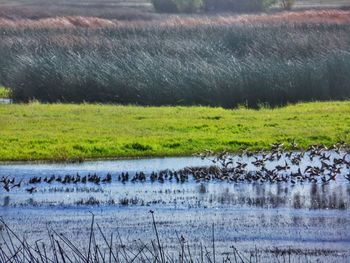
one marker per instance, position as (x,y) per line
(310,219)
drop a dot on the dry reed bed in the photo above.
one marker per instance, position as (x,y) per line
(218,61)
(338,17)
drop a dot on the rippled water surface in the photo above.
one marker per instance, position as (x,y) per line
(310,217)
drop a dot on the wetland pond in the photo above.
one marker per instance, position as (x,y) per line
(283,219)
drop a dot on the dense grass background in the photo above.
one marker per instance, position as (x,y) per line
(111,9)
(63,131)
(213,65)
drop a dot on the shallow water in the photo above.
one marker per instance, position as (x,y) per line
(5,101)
(312,217)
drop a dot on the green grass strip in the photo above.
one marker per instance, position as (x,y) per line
(67,131)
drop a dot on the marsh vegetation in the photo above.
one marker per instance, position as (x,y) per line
(215,61)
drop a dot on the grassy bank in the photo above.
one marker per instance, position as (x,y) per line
(217,61)
(64,131)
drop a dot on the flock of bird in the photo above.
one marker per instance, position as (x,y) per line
(275,165)
(9,184)
(67,179)
(321,165)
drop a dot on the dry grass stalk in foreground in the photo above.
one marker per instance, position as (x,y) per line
(58,248)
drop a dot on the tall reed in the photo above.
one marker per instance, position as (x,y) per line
(209,64)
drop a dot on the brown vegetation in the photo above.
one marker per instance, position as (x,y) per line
(312,16)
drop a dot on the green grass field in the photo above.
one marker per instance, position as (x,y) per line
(67,132)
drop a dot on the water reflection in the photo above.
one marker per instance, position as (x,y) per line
(325,197)
(309,196)
(6,201)
(190,195)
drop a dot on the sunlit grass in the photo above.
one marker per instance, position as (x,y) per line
(4,92)
(67,131)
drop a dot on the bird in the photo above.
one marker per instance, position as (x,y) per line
(31,190)
(6,183)
(6,187)
(17,185)
(347,177)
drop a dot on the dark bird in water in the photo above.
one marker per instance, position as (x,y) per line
(83,179)
(17,185)
(31,190)
(6,187)
(280,167)
(107,179)
(35,180)
(6,183)
(324,157)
